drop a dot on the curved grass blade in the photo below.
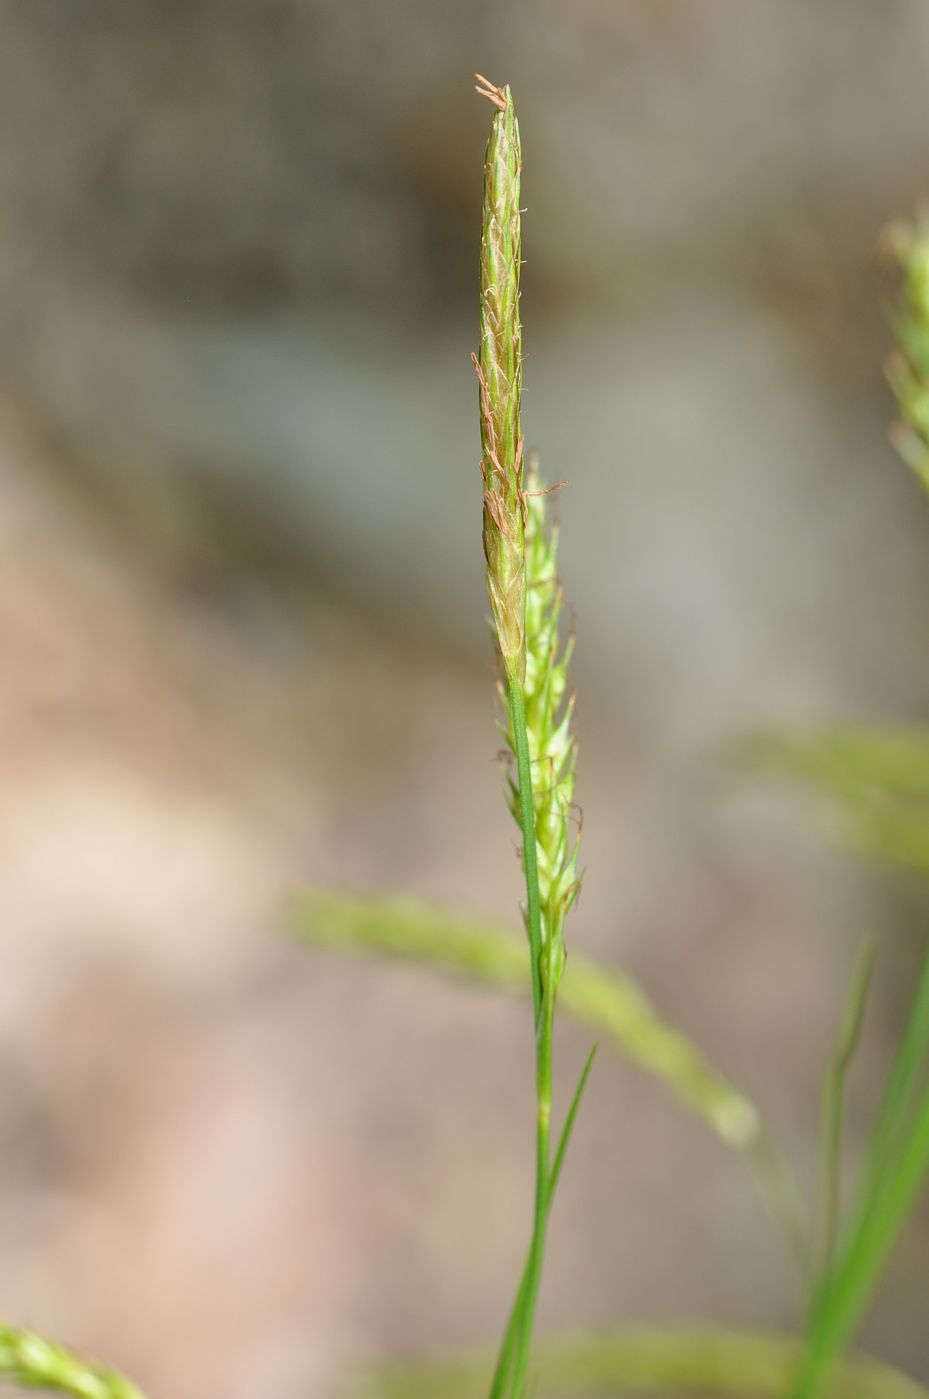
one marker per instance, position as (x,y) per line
(859,1272)
(568,1128)
(894,1173)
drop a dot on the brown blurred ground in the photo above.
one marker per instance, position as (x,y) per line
(242,646)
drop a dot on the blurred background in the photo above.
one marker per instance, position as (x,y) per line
(244,649)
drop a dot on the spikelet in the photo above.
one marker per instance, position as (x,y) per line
(908,366)
(549,718)
(499,372)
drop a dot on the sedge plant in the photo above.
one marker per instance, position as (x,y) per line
(525,603)
(876,785)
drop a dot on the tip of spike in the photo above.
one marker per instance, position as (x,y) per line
(499,96)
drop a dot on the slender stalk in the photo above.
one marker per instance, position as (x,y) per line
(543,1014)
(501,1379)
(517,1339)
(505,1358)
(540,1222)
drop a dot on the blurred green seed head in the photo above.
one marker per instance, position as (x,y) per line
(908,366)
(917,276)
(499,371)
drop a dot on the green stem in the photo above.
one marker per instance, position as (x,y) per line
(504,1365)
(542,1179)
(521,1320)
(505,1358)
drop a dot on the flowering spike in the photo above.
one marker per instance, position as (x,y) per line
(499,372)
(549,713)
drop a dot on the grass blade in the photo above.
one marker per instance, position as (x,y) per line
(894,1172)
(568,1127)
(861,1268)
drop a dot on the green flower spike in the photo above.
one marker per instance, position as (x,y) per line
(549,714)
